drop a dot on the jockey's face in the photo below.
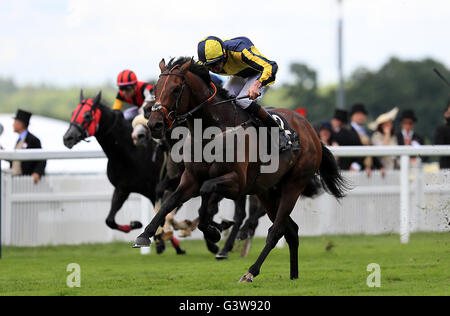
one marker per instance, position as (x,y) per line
(128,91)
(217,68)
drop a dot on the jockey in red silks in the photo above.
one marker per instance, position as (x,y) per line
(134,92)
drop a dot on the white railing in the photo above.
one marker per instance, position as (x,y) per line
(68,209)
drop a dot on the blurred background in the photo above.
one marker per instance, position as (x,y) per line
(378,53)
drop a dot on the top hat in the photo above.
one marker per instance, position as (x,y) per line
(408,114)
(23,116)
(359,107)
(341,115)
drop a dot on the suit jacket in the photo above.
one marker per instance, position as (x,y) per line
(442,137)
(416,137)
(348,137)
(30,167)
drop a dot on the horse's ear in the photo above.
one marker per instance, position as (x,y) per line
(98,98)
(81,96)
(186,66)
(162,66)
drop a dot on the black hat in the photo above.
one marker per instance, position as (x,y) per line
(408,114)
(341,115)
(359,107)
(23,116)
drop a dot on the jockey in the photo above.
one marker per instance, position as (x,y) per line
(134,92)
(251,73)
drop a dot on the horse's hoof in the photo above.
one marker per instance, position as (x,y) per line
(160,247)
(213,234)
(142,242)
(135,225)
(213,248)
(248,278)
(222,256)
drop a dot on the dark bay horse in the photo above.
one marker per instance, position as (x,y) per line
(172,180)
(131,169)
(185,92)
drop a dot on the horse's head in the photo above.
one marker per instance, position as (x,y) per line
(85,120)
(141,133)
(172,98)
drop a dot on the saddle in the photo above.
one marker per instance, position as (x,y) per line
(294,144)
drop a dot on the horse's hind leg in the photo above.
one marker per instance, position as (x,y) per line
(239,216)
(292,239)
(118,199)
(281,226)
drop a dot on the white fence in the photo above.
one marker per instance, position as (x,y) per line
(71,209)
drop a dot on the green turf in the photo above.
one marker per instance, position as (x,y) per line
(419,268)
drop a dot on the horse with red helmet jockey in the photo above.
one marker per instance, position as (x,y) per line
(131,169)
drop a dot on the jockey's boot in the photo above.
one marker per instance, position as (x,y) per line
(259,112)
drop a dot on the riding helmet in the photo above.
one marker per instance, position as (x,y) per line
(210,50)
(126,78)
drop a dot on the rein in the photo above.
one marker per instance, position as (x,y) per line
(171,117)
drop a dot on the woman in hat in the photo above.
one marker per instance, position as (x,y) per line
(385,136)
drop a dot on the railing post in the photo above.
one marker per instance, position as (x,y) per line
(404,199)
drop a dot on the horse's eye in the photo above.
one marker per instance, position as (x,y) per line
(176,89)
(88,116)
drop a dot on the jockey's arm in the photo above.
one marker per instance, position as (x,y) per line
(118,104)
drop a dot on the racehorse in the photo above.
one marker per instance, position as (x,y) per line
(140,134)
(131,169)
(184,92)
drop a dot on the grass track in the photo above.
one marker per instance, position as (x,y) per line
(419,268)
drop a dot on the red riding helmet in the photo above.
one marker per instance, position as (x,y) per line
(126,78)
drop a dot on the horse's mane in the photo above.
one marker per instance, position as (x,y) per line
(199,70)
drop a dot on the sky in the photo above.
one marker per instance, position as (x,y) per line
(88,42)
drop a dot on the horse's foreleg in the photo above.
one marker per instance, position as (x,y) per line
(212,192)
(118,199)
(187,189)
(239,216)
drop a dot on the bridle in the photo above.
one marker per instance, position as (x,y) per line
(88,117)
(171,116)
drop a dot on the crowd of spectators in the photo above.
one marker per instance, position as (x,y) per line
(352,129)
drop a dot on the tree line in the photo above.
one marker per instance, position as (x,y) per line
(402,83)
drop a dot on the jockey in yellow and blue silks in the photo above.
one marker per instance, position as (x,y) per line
(251,73)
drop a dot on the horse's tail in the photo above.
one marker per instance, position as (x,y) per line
(330,175)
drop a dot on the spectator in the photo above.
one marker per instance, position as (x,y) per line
(344,136)
(358,116)
(326,134)
(407,136)
(442,137)
(26,141)
(385,136)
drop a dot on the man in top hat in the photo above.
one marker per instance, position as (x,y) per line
(442,137)
(358,118)
(26,141)
(343,136)
(407,136)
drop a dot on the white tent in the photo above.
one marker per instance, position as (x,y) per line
(51,132)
